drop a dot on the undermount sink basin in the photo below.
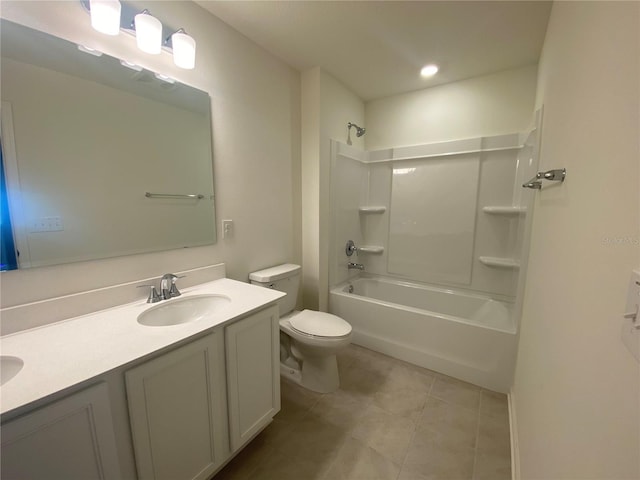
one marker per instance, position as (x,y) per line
(9,367)
(183,310)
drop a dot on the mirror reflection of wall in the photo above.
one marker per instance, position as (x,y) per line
(83,139)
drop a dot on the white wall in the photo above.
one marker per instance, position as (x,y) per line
(256,138)
(576,390)
(484,106)
(327,106)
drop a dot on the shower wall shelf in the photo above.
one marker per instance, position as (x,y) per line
(375,249)
(504,210)
(372,209)
(500,262)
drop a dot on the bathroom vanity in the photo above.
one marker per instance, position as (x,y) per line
(107,395)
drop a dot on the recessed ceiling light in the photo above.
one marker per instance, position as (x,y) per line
(429,70)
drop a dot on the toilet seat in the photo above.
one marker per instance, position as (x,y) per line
(320,324)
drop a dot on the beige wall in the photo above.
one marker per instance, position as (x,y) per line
(576,391)
(310,187)
(256,138)
(479,107)
(327,106)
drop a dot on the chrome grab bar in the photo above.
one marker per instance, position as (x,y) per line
(535,184)
(198,196)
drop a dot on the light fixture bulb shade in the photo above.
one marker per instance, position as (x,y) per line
(105,16)
(148,33)
(429,70)
(184,50)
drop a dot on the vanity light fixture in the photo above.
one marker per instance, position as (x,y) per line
(184,49)
(148,32)
(105,16)
(429,70)
(111,16)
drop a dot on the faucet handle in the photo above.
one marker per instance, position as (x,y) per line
(174,292)
(153,293)
(350,247)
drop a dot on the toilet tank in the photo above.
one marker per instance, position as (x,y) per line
(284,278)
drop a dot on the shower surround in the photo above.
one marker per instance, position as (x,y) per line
(442,232)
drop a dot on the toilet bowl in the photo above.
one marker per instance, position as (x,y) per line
(309,340)
(315,346)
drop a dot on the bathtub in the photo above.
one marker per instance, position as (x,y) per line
(467,336)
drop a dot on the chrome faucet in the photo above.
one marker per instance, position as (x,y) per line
(153,293)
(168,288)
(358,266)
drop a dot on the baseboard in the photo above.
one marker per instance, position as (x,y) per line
(513,427)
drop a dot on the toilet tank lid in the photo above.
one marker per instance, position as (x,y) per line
(275,273)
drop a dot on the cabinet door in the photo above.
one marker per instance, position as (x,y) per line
(176,410)
(69,439)
(253,374)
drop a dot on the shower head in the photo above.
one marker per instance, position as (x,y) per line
(360,131)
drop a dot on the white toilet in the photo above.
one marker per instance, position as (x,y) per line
(309,340)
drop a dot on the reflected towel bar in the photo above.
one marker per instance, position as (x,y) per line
(557,175)
(198,196)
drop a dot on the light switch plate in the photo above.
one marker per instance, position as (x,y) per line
(227,228)
(47,224)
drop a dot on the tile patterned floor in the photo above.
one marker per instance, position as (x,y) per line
(389,421)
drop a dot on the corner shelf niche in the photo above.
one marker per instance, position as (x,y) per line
(367,209)
(504,210)
(500,262)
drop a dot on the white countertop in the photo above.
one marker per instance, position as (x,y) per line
(66,353)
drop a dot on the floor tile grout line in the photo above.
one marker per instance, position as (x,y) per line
(433,382)
(449,402)
(371,397)
(475,448)
(415,427)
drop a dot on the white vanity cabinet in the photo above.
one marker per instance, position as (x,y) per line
(177,411)
(69,439)
(174,402)
(192,407)
(253,374)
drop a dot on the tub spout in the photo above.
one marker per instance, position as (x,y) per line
(351,265)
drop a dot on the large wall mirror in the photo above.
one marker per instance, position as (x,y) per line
(100,158)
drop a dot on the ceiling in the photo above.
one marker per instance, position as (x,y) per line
(377,48)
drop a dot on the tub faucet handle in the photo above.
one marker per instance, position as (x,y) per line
(350,247)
